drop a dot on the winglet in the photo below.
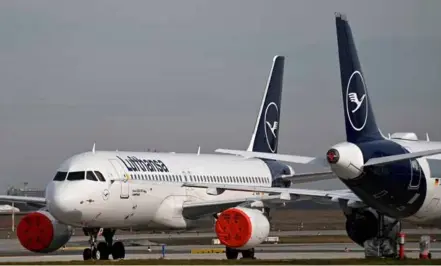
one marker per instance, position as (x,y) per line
(93,148)
(427,137)
(199,150)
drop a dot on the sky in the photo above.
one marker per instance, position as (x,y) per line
(172,75)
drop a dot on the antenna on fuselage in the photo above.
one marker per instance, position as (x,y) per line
(199,149)
(427,137)
(93,148)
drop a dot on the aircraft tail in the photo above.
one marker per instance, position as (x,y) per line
(359,117)
(265,137)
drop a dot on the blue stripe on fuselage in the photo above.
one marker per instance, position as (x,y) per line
(397,189)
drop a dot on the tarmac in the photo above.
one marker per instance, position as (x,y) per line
(12,251)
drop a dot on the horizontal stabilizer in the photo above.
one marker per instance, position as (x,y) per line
(311,177)
(277,157)
(400,157)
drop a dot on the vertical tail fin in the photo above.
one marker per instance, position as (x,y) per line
(359,117)
(265,137)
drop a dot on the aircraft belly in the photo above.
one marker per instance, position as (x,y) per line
(390,197)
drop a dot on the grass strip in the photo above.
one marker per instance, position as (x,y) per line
(239,262)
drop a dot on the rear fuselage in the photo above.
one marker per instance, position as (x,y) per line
(407,189)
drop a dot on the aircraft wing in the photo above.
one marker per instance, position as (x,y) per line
(277,195)
(23,199)
(195,210)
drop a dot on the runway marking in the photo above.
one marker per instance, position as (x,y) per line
(72,248)
(207,250)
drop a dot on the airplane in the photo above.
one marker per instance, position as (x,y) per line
(8,209)
(102,191)
(389,179)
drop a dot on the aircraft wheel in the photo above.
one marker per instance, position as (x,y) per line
(102,251)
(248,254)
(87,254)
(231,253)
(118,250)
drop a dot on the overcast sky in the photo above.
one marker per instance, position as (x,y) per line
(170,75)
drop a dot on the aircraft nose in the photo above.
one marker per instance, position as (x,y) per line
(61,202)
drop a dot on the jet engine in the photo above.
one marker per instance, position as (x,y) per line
(362,225)
(242,228)
(40,232)
(346,160)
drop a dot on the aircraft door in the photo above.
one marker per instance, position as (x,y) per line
(186,178)
(122,177)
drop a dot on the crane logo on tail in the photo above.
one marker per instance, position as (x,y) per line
(271,125)
(356,101)
(354,98)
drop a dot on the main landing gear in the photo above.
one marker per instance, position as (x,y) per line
(385,243)
(102,250)
(232,253)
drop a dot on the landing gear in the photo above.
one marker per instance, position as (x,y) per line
(385,243)
(232,253)
(87,254)
(102,250)
(248,254)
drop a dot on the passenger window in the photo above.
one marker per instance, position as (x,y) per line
(60,176)
(74,176)
(91,176)
(100,176)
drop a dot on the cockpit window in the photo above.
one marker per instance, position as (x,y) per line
(91,176)
(72,176)
(60,176)
(100,176)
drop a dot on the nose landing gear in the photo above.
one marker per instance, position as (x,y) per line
(102,250)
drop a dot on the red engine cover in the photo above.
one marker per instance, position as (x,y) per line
(35,232)
(233,228)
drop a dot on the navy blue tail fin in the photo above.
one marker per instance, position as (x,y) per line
(359,117)
(265,137)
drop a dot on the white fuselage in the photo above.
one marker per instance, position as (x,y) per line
(430,211)
(146,191)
